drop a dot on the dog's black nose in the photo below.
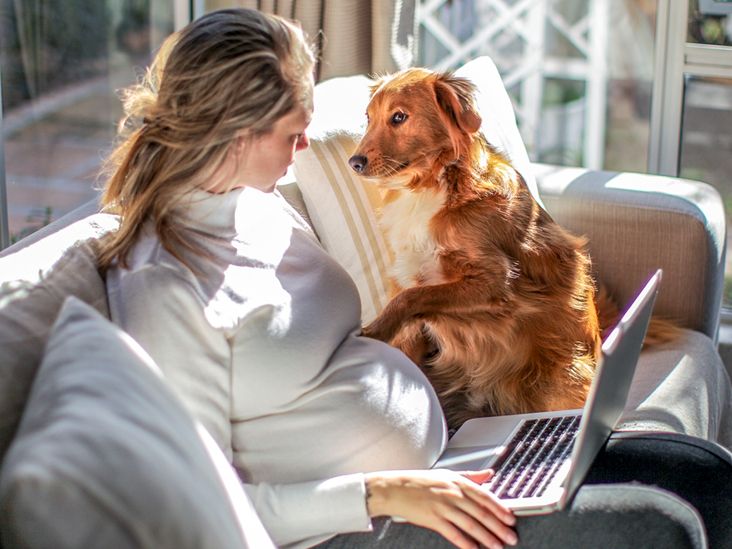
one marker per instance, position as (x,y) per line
(358,163)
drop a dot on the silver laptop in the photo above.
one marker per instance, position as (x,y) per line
(541,459)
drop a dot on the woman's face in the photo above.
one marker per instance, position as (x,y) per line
(265,159)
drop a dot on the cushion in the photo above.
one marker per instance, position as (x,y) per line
(683,387)
(343,208)
(106,456)
(343,211)
(34,282)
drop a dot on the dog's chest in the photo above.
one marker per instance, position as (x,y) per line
(406,222)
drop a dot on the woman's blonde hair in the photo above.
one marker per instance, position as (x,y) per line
(228,71)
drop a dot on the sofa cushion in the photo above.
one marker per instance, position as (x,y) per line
(682,387)
(343,208)
(343,213)
(34,281)
(106,456)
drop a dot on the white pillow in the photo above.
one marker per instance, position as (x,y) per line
(343,208)
(106,456)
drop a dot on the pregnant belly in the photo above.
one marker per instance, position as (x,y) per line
(372,409)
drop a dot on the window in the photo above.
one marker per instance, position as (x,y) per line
(705,148)
(62,63)
(582,96)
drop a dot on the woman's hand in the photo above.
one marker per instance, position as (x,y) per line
(452,504)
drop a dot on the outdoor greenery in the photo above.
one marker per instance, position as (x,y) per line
(38,220)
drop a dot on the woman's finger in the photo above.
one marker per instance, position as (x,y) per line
(491,533)
(479,477)
(495,523)
(483,497)
(453,534)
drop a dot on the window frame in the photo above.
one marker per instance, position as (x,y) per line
(675,59)
(4,225)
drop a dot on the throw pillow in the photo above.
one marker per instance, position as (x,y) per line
(34,282)
(106,455)
(343,208)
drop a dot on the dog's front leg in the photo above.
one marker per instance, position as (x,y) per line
(452,298)
(385,326)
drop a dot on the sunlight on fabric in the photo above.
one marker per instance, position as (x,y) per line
(258,259)
(251,528)
(629,182)
(55,248)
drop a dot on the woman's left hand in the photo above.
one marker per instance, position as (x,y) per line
(450,503)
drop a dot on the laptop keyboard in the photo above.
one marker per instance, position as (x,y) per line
(533,457)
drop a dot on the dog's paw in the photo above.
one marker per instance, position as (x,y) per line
(369,331)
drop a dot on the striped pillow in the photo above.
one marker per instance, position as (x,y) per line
(343,208)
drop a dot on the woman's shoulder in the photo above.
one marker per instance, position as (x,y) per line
(152,270)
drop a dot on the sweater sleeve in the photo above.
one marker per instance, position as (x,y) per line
(161,309)
(310,512)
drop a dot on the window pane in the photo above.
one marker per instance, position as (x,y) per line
(706,143)
(62,63)
(563,62)
(710,22)
(630,84)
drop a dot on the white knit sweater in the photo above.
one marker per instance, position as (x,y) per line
(260,340)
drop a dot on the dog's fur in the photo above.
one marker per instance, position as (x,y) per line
(493,299)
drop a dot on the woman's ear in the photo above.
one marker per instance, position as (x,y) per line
(239,145)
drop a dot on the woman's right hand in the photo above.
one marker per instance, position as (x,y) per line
(450,503)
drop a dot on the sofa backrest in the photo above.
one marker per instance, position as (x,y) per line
(35,279)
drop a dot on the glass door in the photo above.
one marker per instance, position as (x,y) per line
(62,66)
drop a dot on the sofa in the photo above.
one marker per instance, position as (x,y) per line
(97,450)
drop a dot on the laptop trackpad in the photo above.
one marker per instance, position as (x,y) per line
(468,458)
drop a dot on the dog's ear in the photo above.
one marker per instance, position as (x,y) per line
(455,96)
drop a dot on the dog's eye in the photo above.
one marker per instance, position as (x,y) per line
(398,117)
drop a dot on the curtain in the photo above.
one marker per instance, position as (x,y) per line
(353,36)
(31,26)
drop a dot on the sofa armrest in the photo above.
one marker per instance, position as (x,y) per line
(80,212)
(637,223)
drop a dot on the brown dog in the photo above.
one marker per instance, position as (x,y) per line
(494,300)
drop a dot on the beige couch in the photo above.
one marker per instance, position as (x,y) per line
(91,433)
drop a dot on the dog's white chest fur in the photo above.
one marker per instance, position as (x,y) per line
(406,223)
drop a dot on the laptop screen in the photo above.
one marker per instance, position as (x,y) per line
(609,392)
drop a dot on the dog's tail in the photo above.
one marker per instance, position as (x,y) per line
(660,330)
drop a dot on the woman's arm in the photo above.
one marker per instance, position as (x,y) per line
(450,503)
(309,510)
(163,311)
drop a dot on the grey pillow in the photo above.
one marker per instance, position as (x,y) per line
(34,282)
(106,455)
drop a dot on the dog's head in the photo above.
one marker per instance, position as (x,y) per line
(415,117)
